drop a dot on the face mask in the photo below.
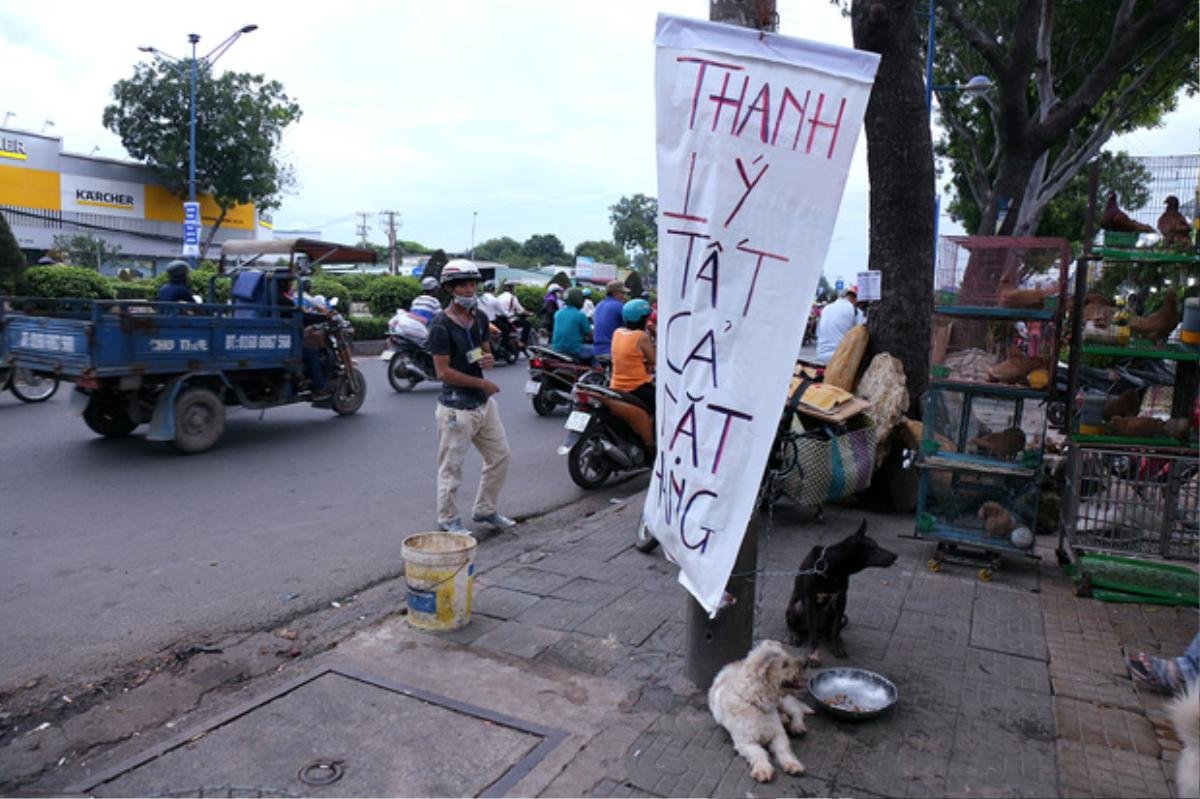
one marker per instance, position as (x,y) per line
(465,302)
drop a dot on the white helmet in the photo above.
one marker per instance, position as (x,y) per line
(458,270)
(428,283)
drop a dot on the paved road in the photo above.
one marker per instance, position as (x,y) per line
(115,547)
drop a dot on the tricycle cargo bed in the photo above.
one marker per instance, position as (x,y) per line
(103,338)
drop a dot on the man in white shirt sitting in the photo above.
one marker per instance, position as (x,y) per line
(837,318)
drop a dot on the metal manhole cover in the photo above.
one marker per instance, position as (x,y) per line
(340,733)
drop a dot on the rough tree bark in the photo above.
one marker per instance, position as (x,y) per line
(900,167)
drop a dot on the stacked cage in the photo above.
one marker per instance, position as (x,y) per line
(1133,350)
(998,309)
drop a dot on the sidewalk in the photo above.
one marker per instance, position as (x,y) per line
(568,682)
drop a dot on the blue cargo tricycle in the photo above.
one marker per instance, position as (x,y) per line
(178,366)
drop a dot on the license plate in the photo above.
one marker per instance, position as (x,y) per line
(578,421)
(533,387)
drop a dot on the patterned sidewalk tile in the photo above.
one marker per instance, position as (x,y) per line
(583,589)
(1011,671)
(1011,622)
(1087,770)
(1027,716)
(1097,725)
(597,656)
(632,618)
(990,761)
(533,580)
(558,614)
(519,640)
(940,595)
(501,603)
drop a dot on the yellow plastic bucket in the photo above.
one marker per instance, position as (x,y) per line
(440,571)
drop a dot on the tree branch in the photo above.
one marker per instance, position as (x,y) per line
(1128,38)
(1047,98)
(982,43)
(976,172)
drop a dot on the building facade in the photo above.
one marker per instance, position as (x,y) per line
(46,192)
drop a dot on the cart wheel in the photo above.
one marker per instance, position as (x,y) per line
(199,420)
(934,565)
(985,575)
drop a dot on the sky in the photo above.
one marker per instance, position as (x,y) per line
(472,119)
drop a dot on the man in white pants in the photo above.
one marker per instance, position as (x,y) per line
(837,318)
(466,412)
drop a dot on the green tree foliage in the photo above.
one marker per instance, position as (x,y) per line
(388,293)
(12,260)
(63,281)
(240,119)
(1068,76)
(412,247)
(504,250)
(605,252)
(86,250)
(545,249)
(635,228)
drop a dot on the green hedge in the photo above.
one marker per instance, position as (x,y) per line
(61,280)
(131,289)
(530,297)
(388,293)
(369,327)
(330,288)
(356,283)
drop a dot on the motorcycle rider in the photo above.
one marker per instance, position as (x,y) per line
(551,303)
(310,355)
(571,328)
(508,310)
(466,411)
(608,317)
(589,307)
(413,323)
(633,354)
(176,288)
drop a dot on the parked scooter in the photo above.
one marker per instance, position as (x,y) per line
(28,385)
(553,374)
(608,431)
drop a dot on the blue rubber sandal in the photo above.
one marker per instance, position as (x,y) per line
(1155,673)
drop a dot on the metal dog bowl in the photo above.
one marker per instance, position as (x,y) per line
(852,693)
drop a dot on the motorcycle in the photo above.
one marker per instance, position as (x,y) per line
(552,375)
(504,348)
(28,385)
(608,431)
(337,364)
(409,365)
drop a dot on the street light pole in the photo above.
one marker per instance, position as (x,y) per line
(471,252)
(192,76)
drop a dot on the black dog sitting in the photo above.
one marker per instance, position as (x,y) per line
(818,605)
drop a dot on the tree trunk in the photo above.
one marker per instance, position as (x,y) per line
(212,234)
(900,167)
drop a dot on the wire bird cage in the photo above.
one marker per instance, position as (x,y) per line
(1136,503)
(1142,194)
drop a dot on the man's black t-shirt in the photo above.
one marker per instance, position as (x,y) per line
(448,337)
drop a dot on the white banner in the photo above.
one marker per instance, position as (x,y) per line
(755,136)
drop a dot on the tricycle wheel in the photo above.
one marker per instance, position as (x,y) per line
(108,415)
(351,392)
(398,374)
(31,386)
(199,420)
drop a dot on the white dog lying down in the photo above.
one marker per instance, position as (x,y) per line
(1184,712)
(748,699)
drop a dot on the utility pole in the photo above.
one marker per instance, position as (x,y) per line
(391,230)
(363,227)
(711,643)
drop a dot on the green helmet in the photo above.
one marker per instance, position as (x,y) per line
(574,298)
